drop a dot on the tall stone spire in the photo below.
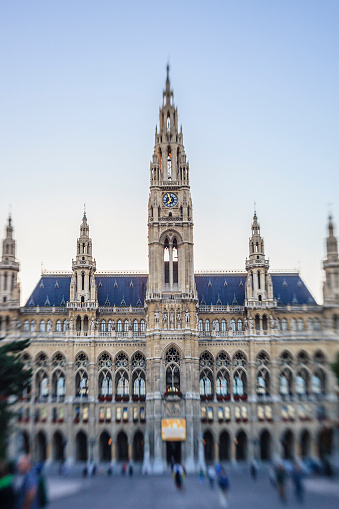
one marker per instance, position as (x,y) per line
(331,267)
(9,268)
(169,159)
(259,288)
(83,287)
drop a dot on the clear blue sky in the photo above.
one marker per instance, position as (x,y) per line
(256,84)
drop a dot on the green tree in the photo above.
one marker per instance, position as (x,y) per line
(14,379)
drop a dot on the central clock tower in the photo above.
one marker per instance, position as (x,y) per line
(171,296)
(170,214)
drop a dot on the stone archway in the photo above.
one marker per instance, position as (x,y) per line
(241,449)
(105,452)
(265,445)
(58,446)
(305,443)
(138,446)
(325,442)
(287,442)
(122,447)
(224,446)
(208,442)
(81,447)
(41,446)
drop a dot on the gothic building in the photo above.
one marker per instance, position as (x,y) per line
(171,363)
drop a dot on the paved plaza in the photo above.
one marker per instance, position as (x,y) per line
(158,492)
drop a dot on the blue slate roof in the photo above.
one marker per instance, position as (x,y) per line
(126,290)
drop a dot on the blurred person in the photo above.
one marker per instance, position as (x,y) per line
(178,475)
(254,470)
(211,475)
(27,496)
(124,469)
(281,482)
(7,494)
(130,470)
(297,479)
(201,475)
(224,485)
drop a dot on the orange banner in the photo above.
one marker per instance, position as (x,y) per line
(173,430)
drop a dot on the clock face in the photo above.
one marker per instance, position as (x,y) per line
(170,199)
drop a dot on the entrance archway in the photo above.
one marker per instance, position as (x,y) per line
(208,442)
(287,442)
(305,443)
(58,446)
(105,452)
(224,446)
(265,445)
(81,447)
(138,446)
(41,448)
(122,446)
(173,452)
(325,442)
(241,443)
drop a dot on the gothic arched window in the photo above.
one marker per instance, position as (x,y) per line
(172,360)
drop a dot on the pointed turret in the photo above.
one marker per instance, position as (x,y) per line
(169,159)
(9,268)
(83,287)
(259,286)
(331,267)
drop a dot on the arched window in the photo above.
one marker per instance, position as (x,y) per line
(33,326)
(109,326)
(239,325)
(223,325)
(310,324)
(172,360)
(41,383)
(126,326)
(105,383)
(206,383)
(318,382)
(142,326)
(103,326)
(263,382)
(239,383)
(316,324)
(232,324)
(175,261)
(119,326)
(264,322)
(302,382)
(300,324)
(139,384)
(207,325)
(293,324)
(284,324)
(200,325)
(42,326)
(58,384)
(81,383)
(223,383)
(122,383)
(166,260)
(64,326)
(49,326)
(135,326)
(278,324)
(58,326)
(216,325)
(26,326)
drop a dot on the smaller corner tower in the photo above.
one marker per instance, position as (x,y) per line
(331,268)
(259,288)
(9,269)
(83,291)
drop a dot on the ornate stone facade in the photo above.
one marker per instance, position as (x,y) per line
(242,357)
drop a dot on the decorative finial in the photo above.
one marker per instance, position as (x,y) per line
(329,205)
(255,211)
(10,215)
(85,211)
(167,69)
